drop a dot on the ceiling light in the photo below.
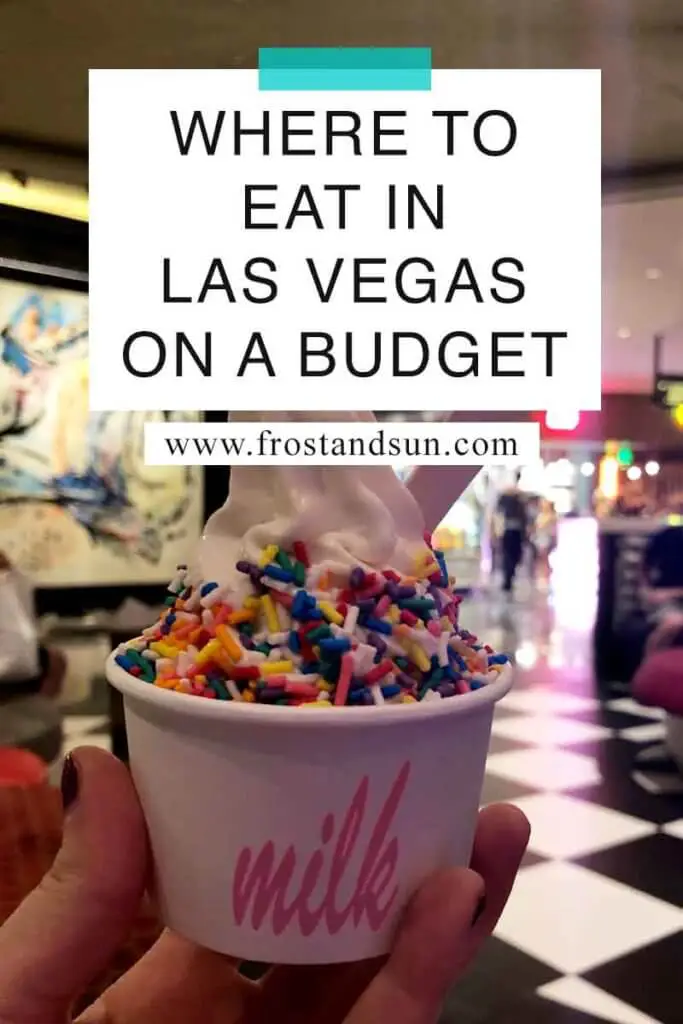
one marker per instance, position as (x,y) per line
(623,332)
(652,467)
(44,197)
(634,472)
(587,469)
(653,273)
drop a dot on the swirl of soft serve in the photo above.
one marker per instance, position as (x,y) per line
(346,515)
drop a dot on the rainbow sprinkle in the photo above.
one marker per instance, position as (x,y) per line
(305,639)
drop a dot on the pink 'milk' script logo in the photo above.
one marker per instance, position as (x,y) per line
(268,887)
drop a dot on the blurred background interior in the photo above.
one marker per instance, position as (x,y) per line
(574,564)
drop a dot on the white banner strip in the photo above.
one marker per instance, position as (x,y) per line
(350,444)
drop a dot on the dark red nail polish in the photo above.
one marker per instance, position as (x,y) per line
(481,906)
(69,782)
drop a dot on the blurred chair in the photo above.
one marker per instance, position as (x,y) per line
(658,683)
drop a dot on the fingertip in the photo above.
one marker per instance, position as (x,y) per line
(105,817)
(501,839)
(499,845)
(101,762)
(103,776)
(508,820)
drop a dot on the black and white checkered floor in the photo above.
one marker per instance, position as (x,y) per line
(595,924)
(594,929)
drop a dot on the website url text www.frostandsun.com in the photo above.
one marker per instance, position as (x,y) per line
(269,445)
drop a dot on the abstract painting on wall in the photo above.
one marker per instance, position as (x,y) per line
(78,505)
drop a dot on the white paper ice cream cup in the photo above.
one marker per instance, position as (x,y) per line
(297,835)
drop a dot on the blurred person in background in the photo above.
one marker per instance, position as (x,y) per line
(663,565)
(601,506)
(512,525)
(544,532)
(632,500)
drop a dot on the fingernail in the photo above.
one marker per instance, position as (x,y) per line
(69,782)
(481,906)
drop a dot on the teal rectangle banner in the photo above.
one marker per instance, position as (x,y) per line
(345,68)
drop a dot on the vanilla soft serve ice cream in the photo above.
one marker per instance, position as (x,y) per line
(346,515)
